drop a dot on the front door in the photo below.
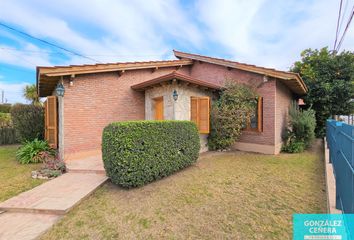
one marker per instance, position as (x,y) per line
(158,108)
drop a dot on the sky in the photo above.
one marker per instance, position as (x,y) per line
(268,33)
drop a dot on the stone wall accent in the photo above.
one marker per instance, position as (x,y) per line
(175,110)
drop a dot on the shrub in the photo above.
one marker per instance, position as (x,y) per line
(5,108)
(301,130)
(28,120)
(33,151)
(5,120)
(294,147)
(8,135)
(138,152)
(229,115)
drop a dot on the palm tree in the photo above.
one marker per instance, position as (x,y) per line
(30,93)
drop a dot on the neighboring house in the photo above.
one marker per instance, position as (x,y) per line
(96,95)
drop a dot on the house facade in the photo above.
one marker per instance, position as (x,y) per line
(182,89)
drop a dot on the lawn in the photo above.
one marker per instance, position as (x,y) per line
(228,195)
(14,177)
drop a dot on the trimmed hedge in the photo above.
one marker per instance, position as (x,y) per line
(138,152)
(8,135)
(28,120)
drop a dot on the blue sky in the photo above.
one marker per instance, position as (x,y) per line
(269,33)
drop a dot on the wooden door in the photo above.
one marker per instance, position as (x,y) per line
(158,108)
(51,121)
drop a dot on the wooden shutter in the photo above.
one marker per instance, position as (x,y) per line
(260,114)
(51,121)
(200,113)
(194,111)
(203,108)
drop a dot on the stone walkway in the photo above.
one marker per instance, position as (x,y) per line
(31,213)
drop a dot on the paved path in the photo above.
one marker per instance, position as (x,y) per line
(31,213)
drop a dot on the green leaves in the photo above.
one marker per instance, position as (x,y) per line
(229,115)
(28,120)
(301,130)
(329,78)
(31,152)
(138,152)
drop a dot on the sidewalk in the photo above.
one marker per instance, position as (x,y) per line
(31,213)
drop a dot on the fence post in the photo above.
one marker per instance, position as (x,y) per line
(336,148)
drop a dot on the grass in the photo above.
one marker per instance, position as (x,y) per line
(14,177)
(230,195)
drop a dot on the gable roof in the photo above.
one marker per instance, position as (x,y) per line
(47,77)
(290,79)
(178,76)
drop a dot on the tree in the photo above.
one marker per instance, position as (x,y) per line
(30,93)
(329,77)
(229,115)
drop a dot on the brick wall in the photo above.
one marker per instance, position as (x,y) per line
(283,101)
(218,74)
(96,100)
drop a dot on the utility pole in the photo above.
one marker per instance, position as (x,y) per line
(2,96)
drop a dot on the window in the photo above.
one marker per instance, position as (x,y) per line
(200,110)
(255,121)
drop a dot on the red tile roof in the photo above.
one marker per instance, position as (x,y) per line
(178,76)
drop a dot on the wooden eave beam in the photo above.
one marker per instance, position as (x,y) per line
(85,70)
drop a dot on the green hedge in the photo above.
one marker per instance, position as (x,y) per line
(8,135)
(28,120)
(138,152)
(5,108)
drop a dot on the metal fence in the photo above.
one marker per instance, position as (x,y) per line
(340,137)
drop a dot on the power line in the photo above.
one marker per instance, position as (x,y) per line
(338,20)
(346,29)
(49,43)
(102,55)
(344,12)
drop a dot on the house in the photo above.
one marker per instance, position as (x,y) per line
(182,89)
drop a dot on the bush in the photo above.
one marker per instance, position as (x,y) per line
(294,147)
(5,120)
(301,130)
(138,152)
(8,135)
(34,151)
(229,115)
(5,108)
(28,120)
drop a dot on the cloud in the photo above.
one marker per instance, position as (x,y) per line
(141,29)
(13,91)
(264,32)
(270,33)
(28,56)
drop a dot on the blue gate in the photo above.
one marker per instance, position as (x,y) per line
(340,137)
